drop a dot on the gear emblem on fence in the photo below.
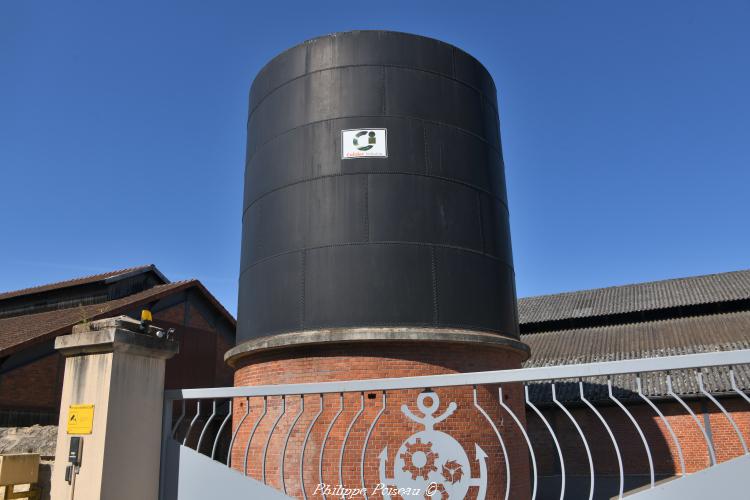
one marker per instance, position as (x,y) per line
(452,471)
(419,459)
(431,457)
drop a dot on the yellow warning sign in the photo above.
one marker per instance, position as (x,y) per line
(80,419)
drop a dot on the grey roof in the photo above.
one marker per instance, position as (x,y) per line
(652,295)
(717,332)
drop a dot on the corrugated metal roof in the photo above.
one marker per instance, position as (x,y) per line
(77,281)
(652,295)
(718,332)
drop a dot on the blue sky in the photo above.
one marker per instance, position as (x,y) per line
(625,127)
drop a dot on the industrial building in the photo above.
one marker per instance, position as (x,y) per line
(376,245)
(30,320)
(644,320)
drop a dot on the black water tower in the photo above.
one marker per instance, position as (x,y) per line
(374,191)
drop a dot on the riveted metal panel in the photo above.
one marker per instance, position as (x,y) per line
(425,209)
(340,92)
(418,238)
(371,48)
(324,211)
(472,291)
(418,147)
(368,285)
(270,295)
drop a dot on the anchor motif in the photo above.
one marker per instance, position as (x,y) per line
(431,457)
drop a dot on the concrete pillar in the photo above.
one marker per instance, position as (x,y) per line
(118,369)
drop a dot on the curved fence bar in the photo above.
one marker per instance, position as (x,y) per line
(221,428)
(554,439)
(364,447)
(304,445)
(611,436)
(709,444)
(637,428)
(205,426)
(534,476)
(723,410)
(346,437)
(234,434)
(286,440)
(192,422)
(664,420)
(270,435)
(325,438)
(607,395)
(179,420)
(252,433)
(734,385)
(583,438)
(506,458)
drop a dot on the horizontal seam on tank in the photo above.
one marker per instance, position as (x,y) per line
(332,68)
(407,117)
(388,242)
(342,174)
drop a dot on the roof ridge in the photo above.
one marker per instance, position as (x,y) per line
(180,282)
(72,282)
(690,291)
(637,284)
(655,322)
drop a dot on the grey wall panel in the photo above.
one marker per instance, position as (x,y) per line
(189,475)
(419,237)
(356,285)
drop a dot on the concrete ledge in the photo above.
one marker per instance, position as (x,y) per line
(365,335)
(118,334)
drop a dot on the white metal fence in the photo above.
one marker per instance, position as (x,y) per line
(209,420)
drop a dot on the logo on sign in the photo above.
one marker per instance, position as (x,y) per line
(80,419)
(364,143)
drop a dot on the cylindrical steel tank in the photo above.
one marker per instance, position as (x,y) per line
(411,231)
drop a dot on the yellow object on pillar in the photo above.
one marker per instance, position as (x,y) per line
(146,315)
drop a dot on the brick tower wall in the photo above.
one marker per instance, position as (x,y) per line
(365,361)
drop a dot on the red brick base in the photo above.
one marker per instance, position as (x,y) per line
(664,452)
(365,361)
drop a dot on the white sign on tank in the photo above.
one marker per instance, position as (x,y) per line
(364,143)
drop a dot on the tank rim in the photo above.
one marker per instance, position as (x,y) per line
(361,335)
(349,32)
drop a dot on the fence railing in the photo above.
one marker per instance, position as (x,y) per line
(636,402)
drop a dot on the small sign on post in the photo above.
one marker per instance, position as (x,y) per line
(80,419)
